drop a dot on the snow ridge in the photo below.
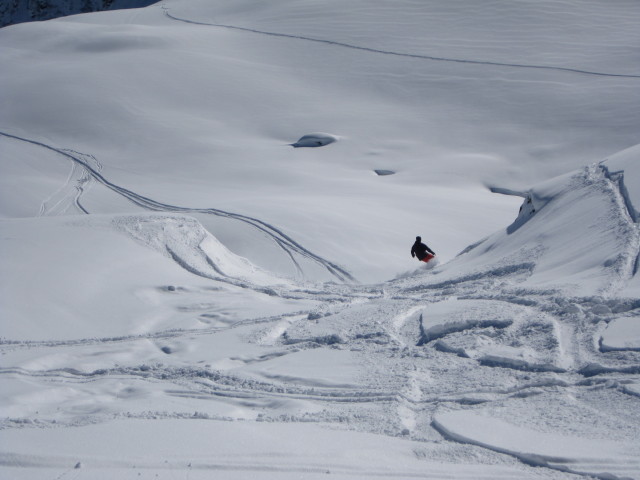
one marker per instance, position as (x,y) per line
(618,179)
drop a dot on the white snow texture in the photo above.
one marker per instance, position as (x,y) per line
(184,295)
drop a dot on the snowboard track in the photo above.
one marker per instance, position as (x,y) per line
(68,196)
(372,406)
(403,54)
(289,245)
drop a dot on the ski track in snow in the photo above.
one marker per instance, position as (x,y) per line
(285,242)
(78,182)
(402,54)
(404,386)
(543,355)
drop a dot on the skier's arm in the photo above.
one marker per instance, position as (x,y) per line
(413,251)
(430,251)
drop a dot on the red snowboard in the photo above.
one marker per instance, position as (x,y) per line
(427,258)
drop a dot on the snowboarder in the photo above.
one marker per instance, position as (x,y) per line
(421,251)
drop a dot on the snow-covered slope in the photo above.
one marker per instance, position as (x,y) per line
(452,98)
(179,292)
(522,348)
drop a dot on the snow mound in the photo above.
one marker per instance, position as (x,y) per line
(186,241)
(315,140)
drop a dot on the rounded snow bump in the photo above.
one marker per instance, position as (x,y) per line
(315,140)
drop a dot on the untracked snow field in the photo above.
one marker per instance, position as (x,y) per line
(206,215)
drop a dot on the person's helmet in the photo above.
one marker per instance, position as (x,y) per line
(418,239)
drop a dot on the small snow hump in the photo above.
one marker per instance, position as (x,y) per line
(315,140)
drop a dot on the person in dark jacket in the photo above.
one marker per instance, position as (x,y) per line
(421,251)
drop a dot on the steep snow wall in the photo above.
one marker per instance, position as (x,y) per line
(19,11)
(577,233)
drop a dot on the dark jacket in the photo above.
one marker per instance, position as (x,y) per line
(420,250)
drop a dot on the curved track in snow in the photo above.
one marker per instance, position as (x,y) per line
(405,54)
(406,387)
(78,182)
(289,245)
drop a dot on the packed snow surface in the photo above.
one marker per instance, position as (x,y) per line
(184,295)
